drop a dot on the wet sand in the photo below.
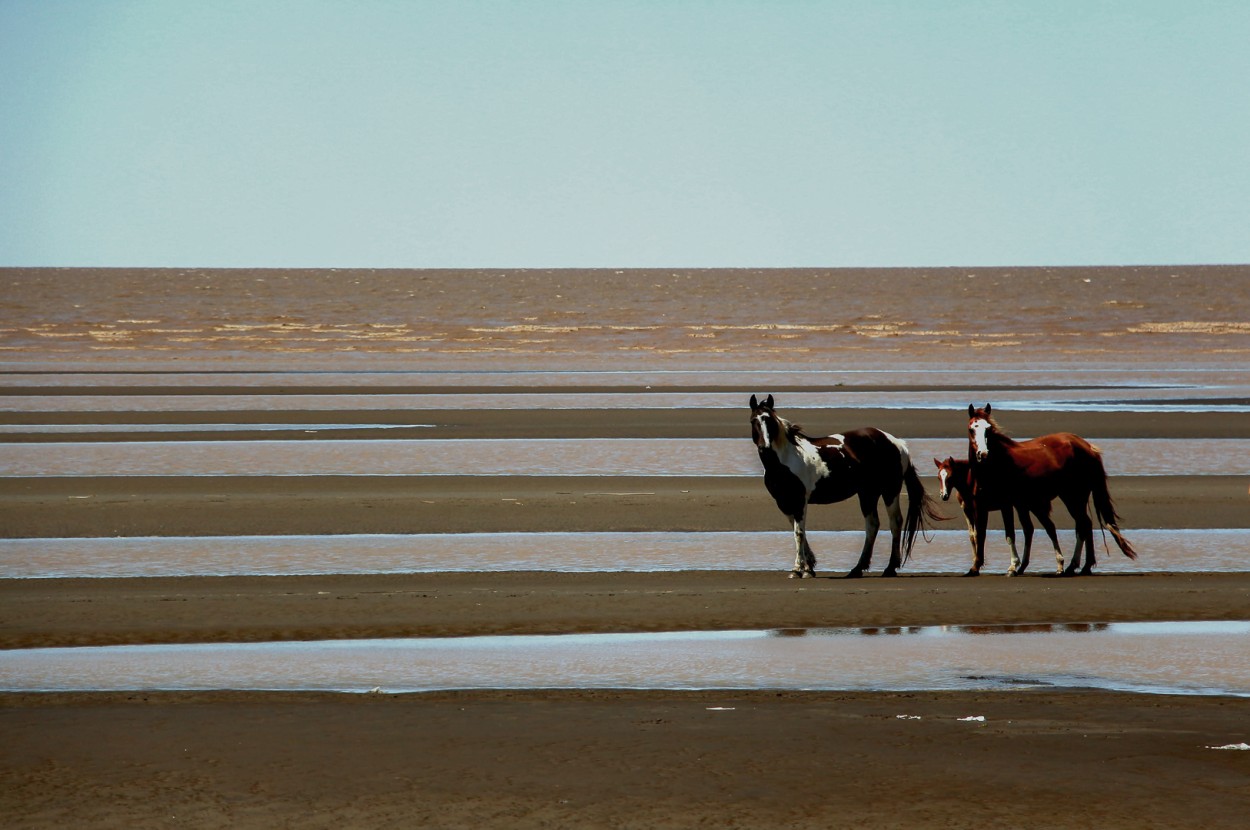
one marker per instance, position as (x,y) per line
(64,612)
(604,758)
(623,759)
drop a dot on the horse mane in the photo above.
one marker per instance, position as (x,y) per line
(790,429)
(1002,433)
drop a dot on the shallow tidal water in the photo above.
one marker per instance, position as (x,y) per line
(947,552)
(529,457)
(1163,658)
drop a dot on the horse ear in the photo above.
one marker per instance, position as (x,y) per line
(768,402)
(754,403)
(937,463)
(987,409)
(972,410)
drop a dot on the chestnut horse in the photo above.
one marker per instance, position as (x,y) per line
(955,476)
(1061,465)
(869,463)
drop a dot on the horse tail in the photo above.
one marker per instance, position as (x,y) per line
(921,510)
(1104,507)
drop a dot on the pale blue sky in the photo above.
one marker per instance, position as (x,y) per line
(601,134)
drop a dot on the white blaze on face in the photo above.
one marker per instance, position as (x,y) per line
(979,427)
(943,488)
(761,427)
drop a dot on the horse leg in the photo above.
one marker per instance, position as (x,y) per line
(970,518)
(1088,532)
(894,512)
(1009,530)
(804,559)
(872,523)
(1084,534)
(1026,524)
(1043,516)
(977,534)
(1088,569)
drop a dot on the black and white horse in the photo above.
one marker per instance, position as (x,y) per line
(869,463)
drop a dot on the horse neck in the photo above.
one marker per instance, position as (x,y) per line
(1002,441)
(1001,448)
(960,478)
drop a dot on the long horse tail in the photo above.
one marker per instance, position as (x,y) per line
(921,510)
(1104,507)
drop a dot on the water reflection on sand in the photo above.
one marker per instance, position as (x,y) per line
(1167,658)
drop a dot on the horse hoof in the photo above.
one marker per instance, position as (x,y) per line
(888,572)
(855,573)
(795,575)
(1087,571)
(973,573)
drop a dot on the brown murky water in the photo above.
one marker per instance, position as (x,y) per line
(967,318)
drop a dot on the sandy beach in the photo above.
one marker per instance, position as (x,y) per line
(593,758)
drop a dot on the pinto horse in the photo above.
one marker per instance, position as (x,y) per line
(955,476)
(1061,465)
(869,463)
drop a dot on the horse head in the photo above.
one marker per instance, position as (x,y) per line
(766,426)
(980,424)
(946,469)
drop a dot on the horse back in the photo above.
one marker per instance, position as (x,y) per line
(1055,451)
(1048,465)
(865,460)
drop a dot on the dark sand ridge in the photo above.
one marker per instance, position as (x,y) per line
(262,505)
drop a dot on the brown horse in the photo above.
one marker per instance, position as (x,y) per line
(955,476)
(868,463)
(1061,465)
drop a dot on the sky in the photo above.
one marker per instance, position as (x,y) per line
(582,134)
